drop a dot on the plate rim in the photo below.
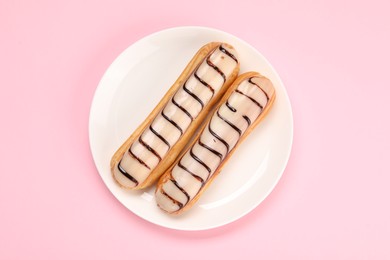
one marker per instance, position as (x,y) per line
(247,45)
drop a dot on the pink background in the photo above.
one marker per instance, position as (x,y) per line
(333,199)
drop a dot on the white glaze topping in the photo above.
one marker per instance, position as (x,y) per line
(169,125)
(218,138)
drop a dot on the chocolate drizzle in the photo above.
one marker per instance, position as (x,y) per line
(149,148)
(176,124)
(193,174)
(210,149)
(159,136)
(131,178)
(252,99)
(211,64)
(230,106)
(181,189)
(247,120)
(204,82)
(196,158)
(265,93)
(217,137)
(182,108)
(138,159)
(172,122)
(228,53)
(229,123)
(179,204)
(193,95)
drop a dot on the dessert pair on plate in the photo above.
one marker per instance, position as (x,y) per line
(195,128)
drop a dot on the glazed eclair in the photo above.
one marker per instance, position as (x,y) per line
(156,143)
(239,111)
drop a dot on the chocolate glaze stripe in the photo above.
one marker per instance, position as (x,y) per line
(181,189)
(210,149)
(193,175)
(149,148)
(138,159)
(230,106)
(182,108)
(228,53)
(196,158)
(193,95)
(251,98)
(247,120)
(131,178)
(238,130)
(203,82)
(219,138)
(178,203)
(265,93)
(211,64)
(172,122)
(159,136)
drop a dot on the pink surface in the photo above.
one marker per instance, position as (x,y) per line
(333,199)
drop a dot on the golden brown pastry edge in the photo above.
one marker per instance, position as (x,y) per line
(164,178)
(176,149)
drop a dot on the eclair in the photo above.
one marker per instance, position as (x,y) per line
(239,111)
(152,148)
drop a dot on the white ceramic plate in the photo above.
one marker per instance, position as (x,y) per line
(133,85)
